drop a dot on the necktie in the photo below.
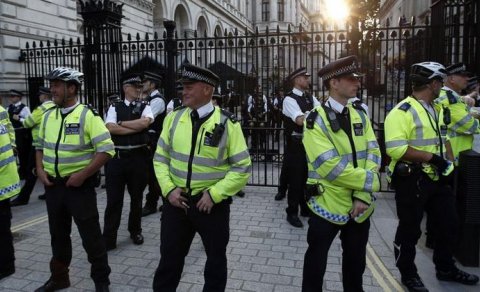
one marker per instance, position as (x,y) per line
(194,115)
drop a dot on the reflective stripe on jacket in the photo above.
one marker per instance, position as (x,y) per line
(223,170)
(33,120)
(330,165)
(412,127)
(9,180)
(462,126)
(70,141)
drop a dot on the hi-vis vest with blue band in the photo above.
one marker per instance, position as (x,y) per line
(70,141)
(221,169)
(410,125)
(33,120)
(331,167)
(9,180)
(462,126)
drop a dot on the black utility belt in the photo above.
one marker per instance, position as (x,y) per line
(125,153)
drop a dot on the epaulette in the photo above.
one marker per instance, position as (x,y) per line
(179,108)
(312,116)
(93,109)
(229,115)
(405,106)
(451,98)
(357,104)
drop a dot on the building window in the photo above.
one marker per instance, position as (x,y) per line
(265,10)
(281,10)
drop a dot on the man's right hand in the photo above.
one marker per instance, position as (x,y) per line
(176,199)
(43,176)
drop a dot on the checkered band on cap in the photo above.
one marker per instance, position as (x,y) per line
(130,80)
(151,76)
(298,72)
(340,67)
(458,68)
(14,92)
(193,73)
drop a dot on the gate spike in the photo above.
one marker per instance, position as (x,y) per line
(41,44)
(70,42)
(146,36)
(27,46)
(155,36)
(34,44)
(138,36)
(78,41)
(129,37)
(63,42)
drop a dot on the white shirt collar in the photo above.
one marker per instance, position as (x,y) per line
(205,109)
(155,92)
(66,110)
(297,91)
(335,105)
(352,99)
(446,88)
(18,103)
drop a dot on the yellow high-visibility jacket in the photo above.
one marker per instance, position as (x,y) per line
(330,166)
(410,125)
(33,120)
(70,141)
(223,170)
(462,126)
(9,179)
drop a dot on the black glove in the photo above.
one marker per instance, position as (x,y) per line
(440,163)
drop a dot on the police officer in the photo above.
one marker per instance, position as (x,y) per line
(201,161)
(33,122)
(9,187)
(344,159)
(177,100)
(73,144)
(462,124)
(18,112)
(415,138)
(128,121)
(151,84)
(295,106)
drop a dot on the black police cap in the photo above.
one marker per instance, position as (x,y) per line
(302,71)
(147,75)
(192,73)
(14,92)
(131,79)
(43,90)
(340,67)
(457,69)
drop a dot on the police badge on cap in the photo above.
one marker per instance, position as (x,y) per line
(192,73)
(341,67)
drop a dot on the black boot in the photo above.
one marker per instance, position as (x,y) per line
(459,276)
(59,278)
(414,284)
(147,210)
(102,287)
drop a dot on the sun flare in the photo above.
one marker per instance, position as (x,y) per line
(336,10)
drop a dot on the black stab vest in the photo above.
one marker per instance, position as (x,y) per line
(157,124)
(306,104)
(125,113)
(15,110)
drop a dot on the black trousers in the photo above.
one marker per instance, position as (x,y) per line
(154,191)
(354,237)
(7,256)
(23,139)
(120,172)
(177,231)
(63,203)
(414,195)
(30,178)
(297,172)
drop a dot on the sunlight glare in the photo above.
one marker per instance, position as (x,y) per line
(336,10)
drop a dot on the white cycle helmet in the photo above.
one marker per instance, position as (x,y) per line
(65,74)
(422,73)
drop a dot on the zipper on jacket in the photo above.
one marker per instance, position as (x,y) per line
(57,172)
(192,152)
(200,141)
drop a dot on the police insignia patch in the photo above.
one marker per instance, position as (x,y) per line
(451,98)
(358,129)
(405,106)
(72,129)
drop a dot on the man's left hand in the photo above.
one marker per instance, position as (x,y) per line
(205,204)
(75,180)
(16,117)
(358,208)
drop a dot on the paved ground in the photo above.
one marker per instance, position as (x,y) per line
(265,253)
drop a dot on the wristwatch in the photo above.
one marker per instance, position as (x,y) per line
(119,123)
